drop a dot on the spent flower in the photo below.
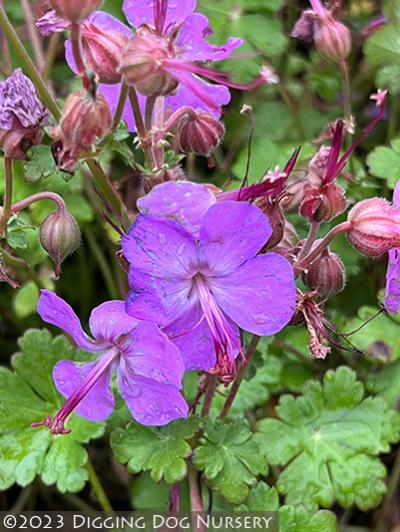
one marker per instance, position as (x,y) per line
(22,115)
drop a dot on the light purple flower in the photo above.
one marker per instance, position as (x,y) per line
(202,289)
(192,48)
(19,104)
(392,297)
(149,367)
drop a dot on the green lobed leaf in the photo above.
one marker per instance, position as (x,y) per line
(384,162)
(264,498)
(25,299)
(41,164)
(18,233)
(383,47)
(386,383)
(28,396)
(329,439)
(230,458)
(162,451)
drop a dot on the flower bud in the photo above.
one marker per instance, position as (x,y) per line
(102,52)
(323,204)
(85,118)
(374,227)
(326,274)
(274,213)
(199,133)
(332,39)
(59,236)
(141,64)
(75,10)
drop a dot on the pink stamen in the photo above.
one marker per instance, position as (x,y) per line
(225,341)
(56,423)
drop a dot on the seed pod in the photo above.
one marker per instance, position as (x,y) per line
(200,133)
(332,39)
(326,274)
(75,10)
(102,52)
(59,236)
(374,227)
(141,64)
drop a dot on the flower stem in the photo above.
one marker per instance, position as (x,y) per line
(123,95)
(149,111)
(52,196)
(137,113)
(8,170)
(196,501)
(33,73)
(98,489)
(33,34)
(347,106)
(240,376)
(316,252)
(174,497)
(76,41)
(293,111)
(211,386)
(312,234)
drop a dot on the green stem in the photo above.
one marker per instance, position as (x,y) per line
(149,110)
(107,189)
(291,107)
(210,392)
(98,489)
(102,262)
(137,113)
(8,170)
(32,71)
(344,70)
(123,95)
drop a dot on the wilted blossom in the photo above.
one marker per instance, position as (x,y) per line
(323,199)
(52,23)
(149,367)
(175,21)
(22,115)
(392,299)
(201,288)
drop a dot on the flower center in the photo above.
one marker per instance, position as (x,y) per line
(56,423)
(226,342)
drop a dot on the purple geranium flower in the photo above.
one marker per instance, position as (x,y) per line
(392,298)
(190,31)
(201,289)
(148,365)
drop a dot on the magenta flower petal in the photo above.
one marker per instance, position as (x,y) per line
(392,296)
(260,296)
(159,247)
(149,353)
(140,12)
(151,402)
(194,339)
(109,321)
(155,299)
(54,310)
(194,47)
(231,233)
(98,403)
(182,201)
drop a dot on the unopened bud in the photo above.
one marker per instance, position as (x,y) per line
(326,274)
(75,10)
(59,236)
(141,64)
(332,39)
(102,51)
(274,213)
(199,133)
(85,118)
(374,227)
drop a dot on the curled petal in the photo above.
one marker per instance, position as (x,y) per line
(54,310)
(194,47)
